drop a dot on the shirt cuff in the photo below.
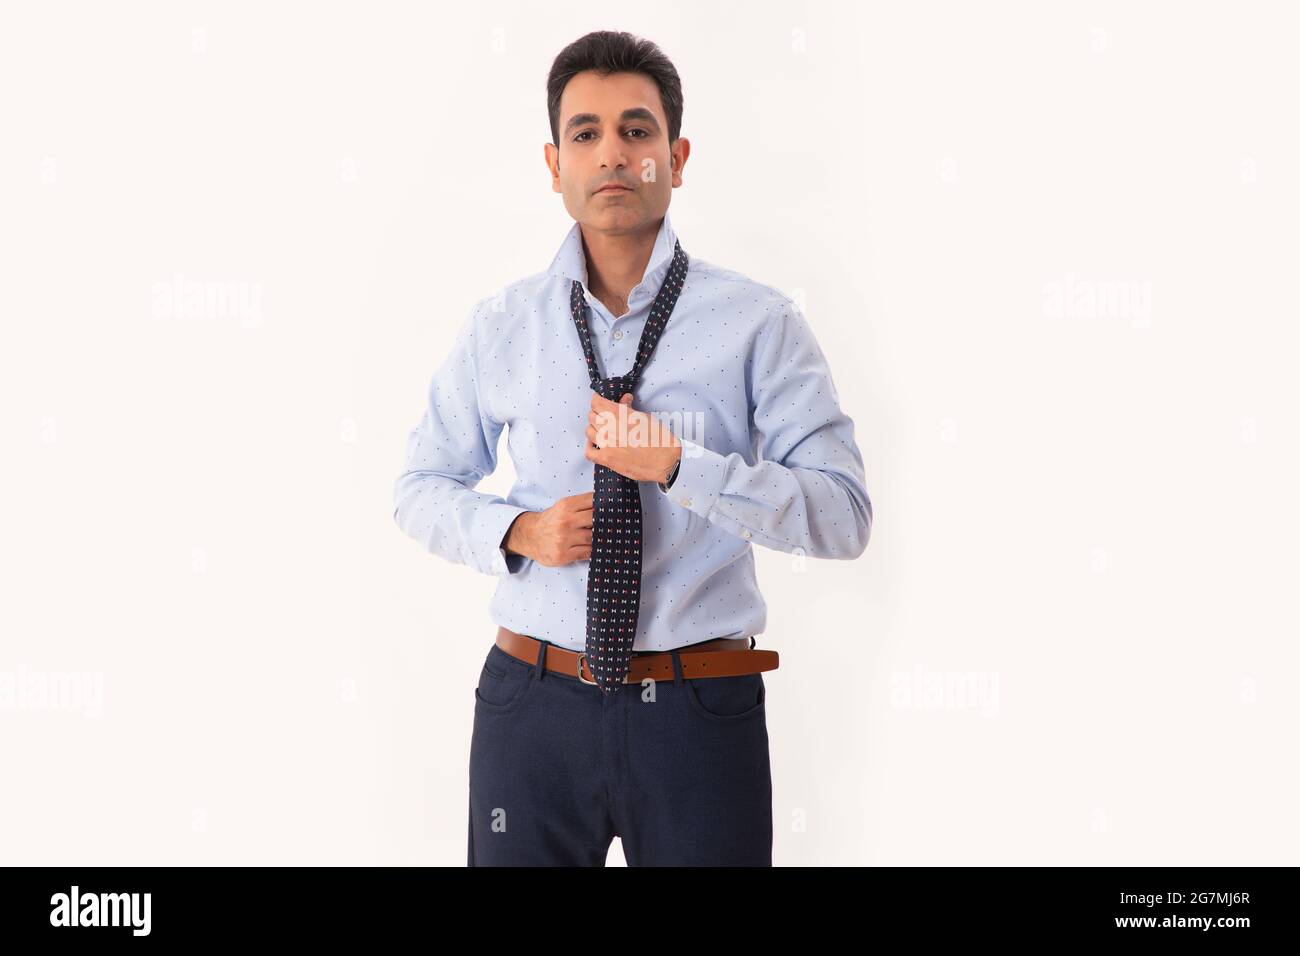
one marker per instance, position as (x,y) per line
(493,525)
(699,479)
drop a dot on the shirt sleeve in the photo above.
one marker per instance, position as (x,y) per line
(807,492)
(450,450)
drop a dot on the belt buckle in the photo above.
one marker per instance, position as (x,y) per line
(581,659)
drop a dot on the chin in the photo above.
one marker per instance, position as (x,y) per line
(623,214)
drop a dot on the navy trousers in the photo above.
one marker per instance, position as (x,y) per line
(678,769)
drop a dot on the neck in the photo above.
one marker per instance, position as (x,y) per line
(617,261)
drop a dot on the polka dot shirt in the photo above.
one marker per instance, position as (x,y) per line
(768,455)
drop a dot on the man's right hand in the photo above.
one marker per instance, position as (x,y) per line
(559,535)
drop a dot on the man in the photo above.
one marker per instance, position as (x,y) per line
(665,415)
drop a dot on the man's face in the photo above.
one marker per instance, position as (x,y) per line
(613,132)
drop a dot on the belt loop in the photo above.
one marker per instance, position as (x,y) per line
(540,667)
(752,641)
(677,667)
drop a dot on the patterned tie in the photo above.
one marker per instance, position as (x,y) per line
(614,577)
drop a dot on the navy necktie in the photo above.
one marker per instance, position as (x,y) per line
(614,576)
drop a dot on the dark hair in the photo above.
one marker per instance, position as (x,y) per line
(606,51)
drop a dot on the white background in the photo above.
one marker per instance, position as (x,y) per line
(1089,518)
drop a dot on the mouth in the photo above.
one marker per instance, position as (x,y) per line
(613,189)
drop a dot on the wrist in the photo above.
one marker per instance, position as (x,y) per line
(517,536)
(671,475)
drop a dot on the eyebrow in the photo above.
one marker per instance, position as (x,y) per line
(635,113)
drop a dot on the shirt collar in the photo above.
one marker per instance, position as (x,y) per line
(570,262)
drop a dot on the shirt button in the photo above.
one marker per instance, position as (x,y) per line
(618,333)
(686,502)
(746,534)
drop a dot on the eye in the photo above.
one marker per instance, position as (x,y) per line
(636,129)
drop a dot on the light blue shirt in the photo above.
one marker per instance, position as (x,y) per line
(768,456)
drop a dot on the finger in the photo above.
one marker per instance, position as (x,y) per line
(626,399)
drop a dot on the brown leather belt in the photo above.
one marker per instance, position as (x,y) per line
(720,657)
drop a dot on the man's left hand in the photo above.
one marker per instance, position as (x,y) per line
(632,443)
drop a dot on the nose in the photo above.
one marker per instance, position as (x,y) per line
(613,152)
